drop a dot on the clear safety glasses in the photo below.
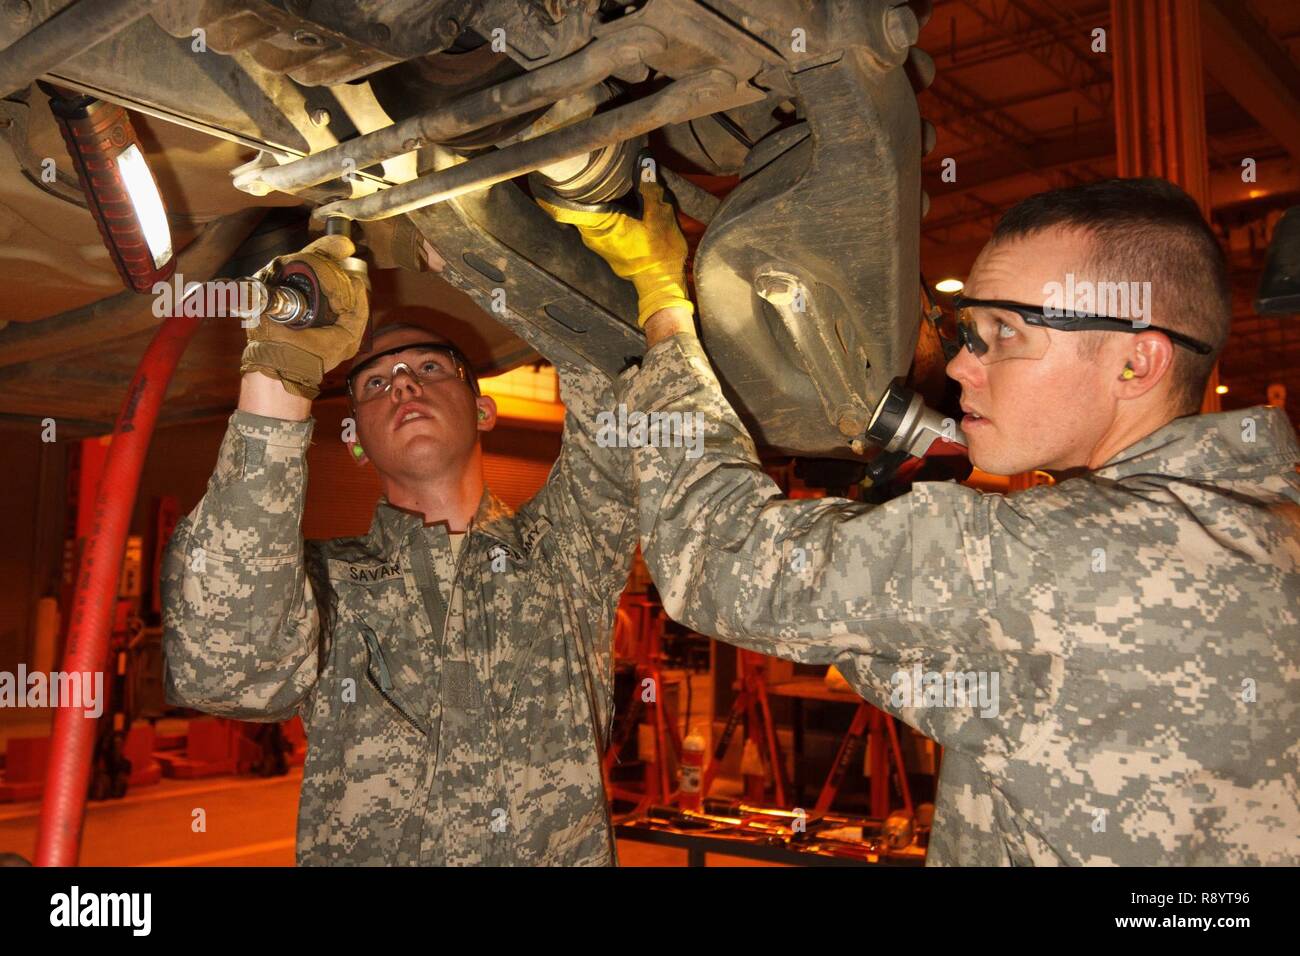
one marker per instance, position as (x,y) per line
(428,362)
(994,330)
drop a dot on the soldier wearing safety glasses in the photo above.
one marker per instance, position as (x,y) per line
(452,667)
(1139,618)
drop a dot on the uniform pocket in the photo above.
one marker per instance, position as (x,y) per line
(585,842)
(380,675)
(518,668)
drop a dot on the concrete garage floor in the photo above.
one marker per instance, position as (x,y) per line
(249,823)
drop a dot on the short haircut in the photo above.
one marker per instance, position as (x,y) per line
(1146,229)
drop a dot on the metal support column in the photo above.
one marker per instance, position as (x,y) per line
(1160,103)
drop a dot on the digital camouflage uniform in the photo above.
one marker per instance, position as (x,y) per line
(1143,621)
(446,724)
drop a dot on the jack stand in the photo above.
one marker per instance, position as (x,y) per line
(751,703)
(647,653)
(876,756)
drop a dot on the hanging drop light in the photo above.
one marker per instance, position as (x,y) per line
(120,187)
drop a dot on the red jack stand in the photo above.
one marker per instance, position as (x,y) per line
(751,703)
(211,749)
(868,717)
(24,770)
(646,641)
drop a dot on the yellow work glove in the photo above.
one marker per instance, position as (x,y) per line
(299,358)
(648,249)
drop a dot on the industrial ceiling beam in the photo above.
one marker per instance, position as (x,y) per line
(1083,75)
(1037,97)
(1090,143)
(997,47)
(973,119)
(1254,67)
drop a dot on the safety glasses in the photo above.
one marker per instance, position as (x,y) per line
(428,362)
(994,330)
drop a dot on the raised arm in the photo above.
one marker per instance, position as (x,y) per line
(591,488)
(589,498)
(241,634)
(885,592)
(241,629)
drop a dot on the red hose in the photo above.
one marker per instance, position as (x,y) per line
(72,747)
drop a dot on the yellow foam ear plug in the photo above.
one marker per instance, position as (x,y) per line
(1127,373)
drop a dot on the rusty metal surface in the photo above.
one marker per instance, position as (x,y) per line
(839,210)
(679,100)
(827,135)
(52,40)
(322,43)
(472,111)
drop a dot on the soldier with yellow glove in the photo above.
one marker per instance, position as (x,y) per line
(1090,639)
(641,243)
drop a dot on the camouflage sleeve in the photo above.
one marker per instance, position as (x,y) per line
(240,622)
(889,593)
(589,497)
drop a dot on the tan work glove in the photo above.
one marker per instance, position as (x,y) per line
(299,358)
(648,249)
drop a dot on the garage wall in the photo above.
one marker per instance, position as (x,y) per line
(31,532)
(340,498)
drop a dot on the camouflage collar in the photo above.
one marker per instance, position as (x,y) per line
(1246,443)
(391,525)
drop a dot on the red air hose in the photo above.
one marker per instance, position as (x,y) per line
(72,746)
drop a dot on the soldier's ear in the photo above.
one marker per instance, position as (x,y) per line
(1147,361)
(487,413)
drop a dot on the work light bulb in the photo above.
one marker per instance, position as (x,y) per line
(148,204)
